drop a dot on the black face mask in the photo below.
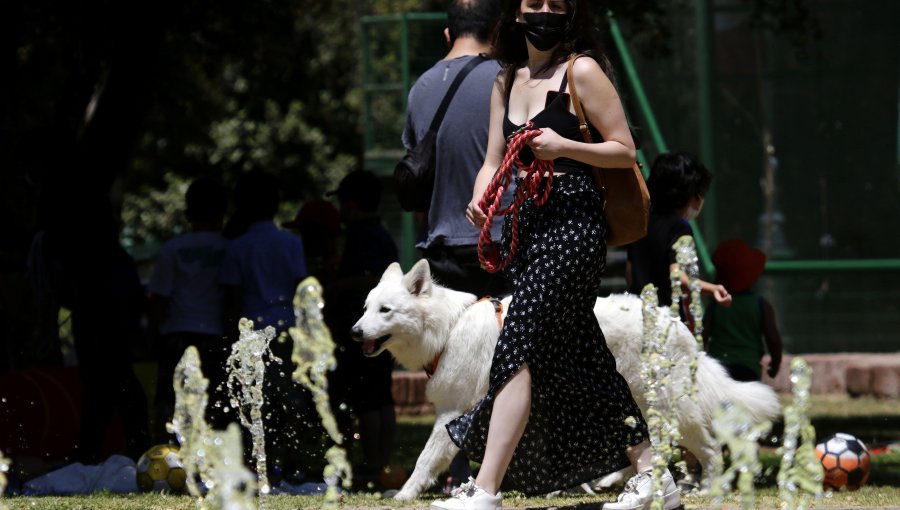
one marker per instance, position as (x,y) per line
(544,30)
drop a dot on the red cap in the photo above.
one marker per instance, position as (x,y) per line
(738,266)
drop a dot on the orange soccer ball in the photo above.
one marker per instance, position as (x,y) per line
(846,461)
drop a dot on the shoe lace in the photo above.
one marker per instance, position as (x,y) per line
(631,486)
(465,489)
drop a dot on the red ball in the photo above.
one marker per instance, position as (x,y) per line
(846,461)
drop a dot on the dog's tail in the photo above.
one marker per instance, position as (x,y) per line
(758,399)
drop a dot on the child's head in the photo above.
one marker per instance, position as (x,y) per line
(359,193)
(319,223)
(678,183)
(205,203)
(256,196)
(738,266)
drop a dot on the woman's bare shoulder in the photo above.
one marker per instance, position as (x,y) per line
(589,74)
(585,65)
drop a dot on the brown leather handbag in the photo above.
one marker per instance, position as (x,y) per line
(626,201)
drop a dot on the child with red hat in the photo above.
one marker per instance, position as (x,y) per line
(735,335)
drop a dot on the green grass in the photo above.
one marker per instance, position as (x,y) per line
(868,497)
(865,418)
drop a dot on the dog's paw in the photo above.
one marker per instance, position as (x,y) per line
(405,495)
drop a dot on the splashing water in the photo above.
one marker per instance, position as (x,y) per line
(232,486)
(314,356)
(214,457)
(338,469)
(800,475)
(732,429)
(686,256)
(687,264)
(4,468)
(313,350)
(667,374)
(660,390)
(246,373)
(188,422)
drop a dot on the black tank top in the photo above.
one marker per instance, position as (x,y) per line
(556,116)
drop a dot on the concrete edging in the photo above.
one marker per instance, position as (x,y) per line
(855,374)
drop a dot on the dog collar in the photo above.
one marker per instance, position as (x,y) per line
(498,309)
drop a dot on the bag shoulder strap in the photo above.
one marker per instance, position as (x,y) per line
(582,123)
(442,109)
(579,111)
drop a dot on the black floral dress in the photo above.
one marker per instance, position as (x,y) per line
(583,416)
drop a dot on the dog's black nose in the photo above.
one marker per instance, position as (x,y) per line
(356,333)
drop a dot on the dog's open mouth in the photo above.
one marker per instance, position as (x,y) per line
(373,347)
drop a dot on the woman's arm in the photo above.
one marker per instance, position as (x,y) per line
(493,156)
(604,111)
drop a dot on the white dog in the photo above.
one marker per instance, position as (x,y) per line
(427,326)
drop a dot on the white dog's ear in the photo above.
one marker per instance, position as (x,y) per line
(393,272)
(418,279)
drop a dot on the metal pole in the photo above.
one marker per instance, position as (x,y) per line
(636,85)
(408,244)
(366,73)
(702,13)
(656,134)
(832,265)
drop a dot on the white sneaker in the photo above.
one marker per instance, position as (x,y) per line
(469,496)
(638,493)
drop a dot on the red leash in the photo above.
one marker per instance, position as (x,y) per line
(488,251)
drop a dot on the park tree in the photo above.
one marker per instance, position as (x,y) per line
(104,90)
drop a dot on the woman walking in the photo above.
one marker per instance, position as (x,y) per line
(557,412)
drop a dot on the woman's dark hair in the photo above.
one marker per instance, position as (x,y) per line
(675,179)
(512,53)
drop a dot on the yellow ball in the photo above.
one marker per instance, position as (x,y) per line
(160,470)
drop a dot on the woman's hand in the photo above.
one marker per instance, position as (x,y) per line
(474,214)
(548,145)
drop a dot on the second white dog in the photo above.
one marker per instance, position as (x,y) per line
(424,325)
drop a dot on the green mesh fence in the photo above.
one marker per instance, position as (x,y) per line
(803,142)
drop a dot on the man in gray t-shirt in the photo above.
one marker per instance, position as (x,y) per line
(448,241)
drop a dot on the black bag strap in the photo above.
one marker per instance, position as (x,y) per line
(442,109)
